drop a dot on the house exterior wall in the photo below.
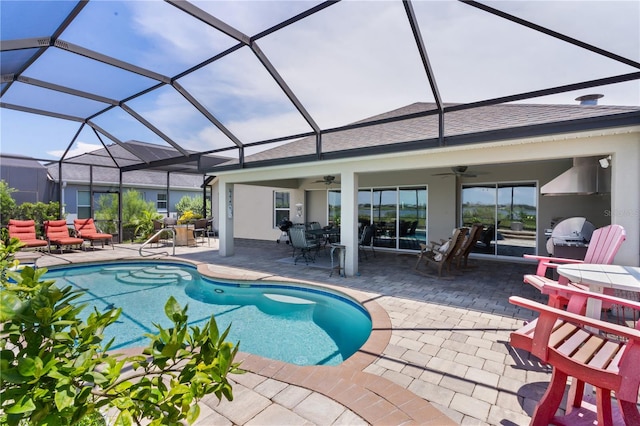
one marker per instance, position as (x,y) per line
(148,195)
(253,211)
(532,160)
(31,184)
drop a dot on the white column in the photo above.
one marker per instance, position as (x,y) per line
(349,221)
(225,213)
(625,201)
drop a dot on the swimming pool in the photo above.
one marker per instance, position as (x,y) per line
(297,324)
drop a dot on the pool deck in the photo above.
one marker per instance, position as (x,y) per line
(438,354)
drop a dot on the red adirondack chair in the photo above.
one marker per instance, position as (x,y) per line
(602,354)
(86,229)
(602,249)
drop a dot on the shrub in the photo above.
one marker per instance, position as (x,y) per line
(7,203)
(189,216)
(56,369)
(192,204)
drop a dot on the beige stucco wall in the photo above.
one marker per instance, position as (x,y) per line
(531,160)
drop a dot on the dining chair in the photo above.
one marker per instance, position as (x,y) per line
(200,230)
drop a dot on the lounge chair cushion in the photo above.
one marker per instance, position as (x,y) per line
(25,231)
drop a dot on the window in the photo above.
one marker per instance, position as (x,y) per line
(399,215)
(335,208)
(84,204)
(161,201)
(508,212)
(281,207)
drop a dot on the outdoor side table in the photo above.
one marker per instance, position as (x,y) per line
(341,255)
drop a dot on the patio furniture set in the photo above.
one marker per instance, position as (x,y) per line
(571,336)
(56,233)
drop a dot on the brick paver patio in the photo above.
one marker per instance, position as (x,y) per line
(447,360)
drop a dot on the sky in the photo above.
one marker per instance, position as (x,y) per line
(350,61)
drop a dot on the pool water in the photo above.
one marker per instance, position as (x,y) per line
(296,324)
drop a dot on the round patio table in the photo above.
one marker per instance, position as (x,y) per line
(598,277)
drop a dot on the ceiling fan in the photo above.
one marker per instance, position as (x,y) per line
(327,180)
(460,171)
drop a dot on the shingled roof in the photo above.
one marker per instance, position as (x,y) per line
(480,124)
(106,172)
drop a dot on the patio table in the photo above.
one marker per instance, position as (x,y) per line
(184,235)
(598,277)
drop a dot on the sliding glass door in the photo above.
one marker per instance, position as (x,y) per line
(508,212)
(398,213)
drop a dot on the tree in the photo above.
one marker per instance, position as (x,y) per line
(133,206)
(193,205)
(55,368)
(7,203)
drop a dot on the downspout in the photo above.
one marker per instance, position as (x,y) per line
(168,201)
(90,190)
(120,228)
(60,191)
(204,196)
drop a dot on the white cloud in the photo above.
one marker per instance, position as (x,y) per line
(355,59)
(77,149)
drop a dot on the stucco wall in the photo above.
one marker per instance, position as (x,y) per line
(531,160)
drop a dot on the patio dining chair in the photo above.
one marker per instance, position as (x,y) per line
(201,230)
(366,240)
(299,241)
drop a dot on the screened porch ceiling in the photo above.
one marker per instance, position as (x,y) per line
(211,81)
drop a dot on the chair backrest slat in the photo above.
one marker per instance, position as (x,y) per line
(604,244)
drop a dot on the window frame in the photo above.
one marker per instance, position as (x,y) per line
(159,200)
(278,210)
(85,208)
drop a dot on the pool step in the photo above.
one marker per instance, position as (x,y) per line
(149,275)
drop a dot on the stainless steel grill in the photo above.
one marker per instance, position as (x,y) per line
(570,238)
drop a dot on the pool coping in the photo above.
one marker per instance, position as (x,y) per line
(375,399)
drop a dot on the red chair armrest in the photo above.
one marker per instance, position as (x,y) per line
(549,315)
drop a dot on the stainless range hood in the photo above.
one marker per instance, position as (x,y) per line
(584,178)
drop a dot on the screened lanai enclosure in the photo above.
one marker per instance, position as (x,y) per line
(233,78)
(215,84)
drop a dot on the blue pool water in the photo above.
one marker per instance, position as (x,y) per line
(295,324)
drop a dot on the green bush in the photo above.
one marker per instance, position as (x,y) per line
(56,369)
(39,212)
(7,203)
(193,205)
